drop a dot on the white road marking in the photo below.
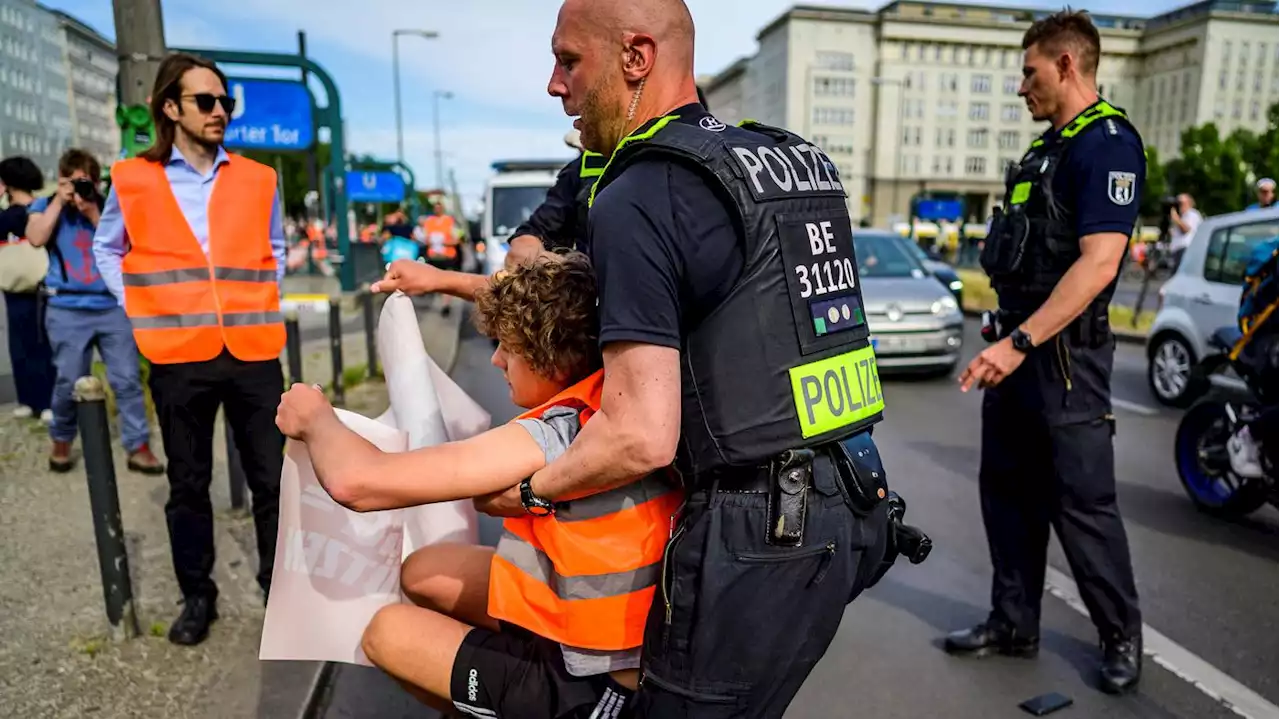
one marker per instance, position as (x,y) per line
(1202,675)
(1134,407)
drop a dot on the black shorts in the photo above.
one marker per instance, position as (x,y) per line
(515,674)
(453,264)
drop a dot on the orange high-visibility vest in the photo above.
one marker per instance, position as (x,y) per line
(186,306)
(440,239)
(586,575)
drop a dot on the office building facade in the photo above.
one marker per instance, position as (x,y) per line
(922,96)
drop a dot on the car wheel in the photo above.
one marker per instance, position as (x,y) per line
(1171,372)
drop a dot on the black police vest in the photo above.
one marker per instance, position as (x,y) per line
(1033,239)
(784,361)
(590,168)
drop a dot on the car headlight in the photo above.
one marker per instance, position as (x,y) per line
(944,306)
(955,286)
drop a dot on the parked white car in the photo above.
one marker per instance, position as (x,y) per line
(1201,296)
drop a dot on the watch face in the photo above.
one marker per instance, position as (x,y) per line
(1021,340)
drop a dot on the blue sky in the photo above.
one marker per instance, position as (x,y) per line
(493,55)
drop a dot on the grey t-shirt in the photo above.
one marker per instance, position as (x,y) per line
(553,432)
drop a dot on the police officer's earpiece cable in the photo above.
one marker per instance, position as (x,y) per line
(635,100)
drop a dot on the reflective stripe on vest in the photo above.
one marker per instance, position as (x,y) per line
(186,306)
(586,575)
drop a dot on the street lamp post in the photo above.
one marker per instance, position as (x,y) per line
(435,99)
(897,169)
(395,70)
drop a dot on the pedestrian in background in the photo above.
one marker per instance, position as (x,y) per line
(1266,188)
(82,314)
(1184,218)
(197,264)
(22,269)
(1053,256)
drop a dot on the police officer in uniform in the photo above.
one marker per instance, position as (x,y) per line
(561,221)
(1053,256)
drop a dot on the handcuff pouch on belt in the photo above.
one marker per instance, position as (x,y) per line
(789,496)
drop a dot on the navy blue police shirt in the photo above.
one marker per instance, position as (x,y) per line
(1092,176)
(665,249)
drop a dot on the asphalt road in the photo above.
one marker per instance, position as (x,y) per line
(1209,586)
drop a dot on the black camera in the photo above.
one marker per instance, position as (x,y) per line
(85,188)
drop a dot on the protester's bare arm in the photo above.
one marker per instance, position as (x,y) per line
(417,278)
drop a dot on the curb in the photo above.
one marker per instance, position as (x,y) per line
(1123,337)
(318,695)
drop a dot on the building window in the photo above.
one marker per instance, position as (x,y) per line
(1257,83)
(828,60)
(980,84)
(1235,110)
(979,111)
(942,165)
(920,50)
(937,53)
(833,86)
(948,81)
(1010,112)
(1240,81)
(986,57)
(1009,139)
(832,116)
(946,137)
(1222,80)
(948,108)
(978,138)
(910,165)
(975,166)
(1253,110)
(1011,84)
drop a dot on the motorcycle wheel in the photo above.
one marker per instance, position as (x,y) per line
(1200,452)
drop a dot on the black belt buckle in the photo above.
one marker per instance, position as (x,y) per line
(788,497)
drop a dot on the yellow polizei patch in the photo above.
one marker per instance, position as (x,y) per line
(836,392)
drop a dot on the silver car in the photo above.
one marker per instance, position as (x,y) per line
(914,319)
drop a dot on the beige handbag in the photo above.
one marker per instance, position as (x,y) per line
(22,267)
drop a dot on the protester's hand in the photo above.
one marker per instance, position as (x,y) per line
(990,367)
(522,249)
(299,408)
(410,277)
(501,504)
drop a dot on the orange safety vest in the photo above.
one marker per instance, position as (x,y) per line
(186,306)
(585,576)
(441,227)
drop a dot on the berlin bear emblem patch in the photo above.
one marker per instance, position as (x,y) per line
(1121,186)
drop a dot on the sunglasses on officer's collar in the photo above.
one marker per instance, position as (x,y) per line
(206,100)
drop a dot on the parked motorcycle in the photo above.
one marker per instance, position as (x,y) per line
(1200,447)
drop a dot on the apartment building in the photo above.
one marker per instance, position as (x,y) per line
(922,96)
(89,61)
(35,118)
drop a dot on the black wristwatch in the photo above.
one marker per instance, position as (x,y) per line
(533,504)
(1021,340)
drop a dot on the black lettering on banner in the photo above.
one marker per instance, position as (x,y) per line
(771,175)
(818,259)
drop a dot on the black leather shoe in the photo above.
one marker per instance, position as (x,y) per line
(192,626)
(990,637)
(1121,664)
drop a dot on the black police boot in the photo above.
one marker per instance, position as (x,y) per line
(1121,664)
(192,626)
(992,637)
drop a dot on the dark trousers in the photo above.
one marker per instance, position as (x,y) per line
(737,624)
(187,398)
(29,351)
(1036,474)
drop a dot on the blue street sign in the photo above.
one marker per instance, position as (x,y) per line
(270,115)
(369,186)
(939,209)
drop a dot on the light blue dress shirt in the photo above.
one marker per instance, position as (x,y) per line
(191,189)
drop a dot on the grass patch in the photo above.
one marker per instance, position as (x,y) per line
(978,297)
(99,370)
(352,376)
(91,647)
(158,629)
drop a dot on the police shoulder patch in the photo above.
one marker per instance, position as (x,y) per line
(1121,187)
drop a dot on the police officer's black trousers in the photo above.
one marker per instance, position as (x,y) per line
(1034,475)
(737,624)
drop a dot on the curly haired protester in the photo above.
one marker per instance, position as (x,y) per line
(549,624)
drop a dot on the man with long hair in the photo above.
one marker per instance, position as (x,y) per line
(197,266)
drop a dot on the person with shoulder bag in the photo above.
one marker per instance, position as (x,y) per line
(22,270)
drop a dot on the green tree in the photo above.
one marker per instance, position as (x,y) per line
(1156,186)
(293,167)
(1211,170)
(1262,155)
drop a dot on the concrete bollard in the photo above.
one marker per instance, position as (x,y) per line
(335,349)
(293,346)
(104,503)
(367,301)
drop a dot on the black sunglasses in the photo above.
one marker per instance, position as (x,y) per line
(206,100)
